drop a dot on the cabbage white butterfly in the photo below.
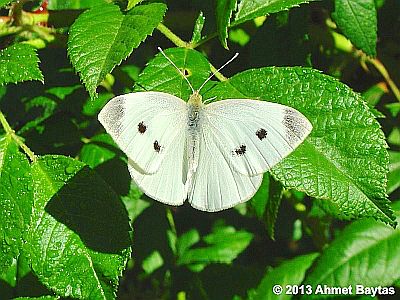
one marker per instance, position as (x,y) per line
(213,154)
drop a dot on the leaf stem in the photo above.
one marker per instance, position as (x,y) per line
(172,36)
(16,138)
(385,74)
(204,40)
(343,44)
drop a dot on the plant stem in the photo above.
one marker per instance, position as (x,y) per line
(16,138)
(343,44)
(204,40)
(385,74)
(172,36)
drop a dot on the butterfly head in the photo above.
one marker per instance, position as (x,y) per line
(195,99)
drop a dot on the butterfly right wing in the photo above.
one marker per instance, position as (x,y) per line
(144,125)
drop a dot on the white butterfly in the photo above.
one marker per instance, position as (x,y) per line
(213,154)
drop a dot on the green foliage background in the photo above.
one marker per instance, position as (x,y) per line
(74,226)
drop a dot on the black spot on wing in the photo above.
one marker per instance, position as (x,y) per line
(239,151)
(157,146)
(261,133)
(142,127)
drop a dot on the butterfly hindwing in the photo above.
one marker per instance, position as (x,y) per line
(216,186)
(145,125)
(255,135)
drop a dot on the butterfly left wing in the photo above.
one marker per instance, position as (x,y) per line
(255,135)
(215,185)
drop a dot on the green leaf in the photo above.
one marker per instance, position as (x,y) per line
(239,36)
(19,62)
(261,197)
(224,12)
(152,262)
(48,107)
(357,19)
(63,91)
(187,240)
(4,2)
(93,106)
(266,203)
(132,4)
(73,4)
(96,47)
(344,160)
(224,245)
(79,238)
(290,272)
(374,94)
(394,136)
(160,75)
(133,202)
(100,149)
(16,199)
(198,28)
(394,172)
(394,108)
(272,208)
(251,9)
(365,253)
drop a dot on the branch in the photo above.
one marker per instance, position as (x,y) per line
(16,138)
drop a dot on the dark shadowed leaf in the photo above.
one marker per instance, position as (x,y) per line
(79,238)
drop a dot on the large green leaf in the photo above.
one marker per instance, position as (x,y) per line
(291,272)
(250,9)
(79,238)
(344,160)
(19,62)
(224,11)
(16,199)
(366,253)
(357,19)
(102,37)
(160,75)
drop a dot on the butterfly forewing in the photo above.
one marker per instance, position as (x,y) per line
(145,126)
(254,135)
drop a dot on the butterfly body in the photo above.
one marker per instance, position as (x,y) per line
(214,155)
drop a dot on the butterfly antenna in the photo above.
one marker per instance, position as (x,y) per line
(219,69)
(172,63)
